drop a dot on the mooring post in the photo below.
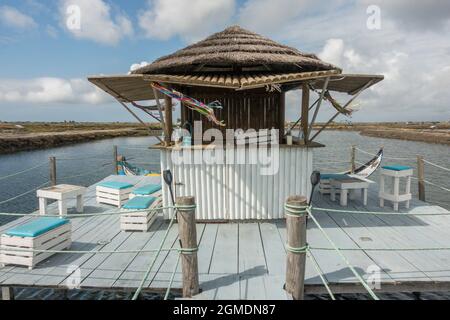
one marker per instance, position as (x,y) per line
(296,215)
(7,293)
(52,161)
(188,237)
(353,159)
(421,177)
(115,155)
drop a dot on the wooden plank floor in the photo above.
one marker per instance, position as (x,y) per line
(247,260)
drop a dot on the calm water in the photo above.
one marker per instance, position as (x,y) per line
(85,164)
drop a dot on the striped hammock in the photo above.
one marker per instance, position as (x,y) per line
(193,104)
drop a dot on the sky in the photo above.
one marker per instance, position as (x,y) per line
(46,53)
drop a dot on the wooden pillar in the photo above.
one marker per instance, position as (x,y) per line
(115,155)
(282,115)
(52,162)
(7,293)
(168,119)
(188,237)
(305,110)
(353,159)
(296,245)
(421,177)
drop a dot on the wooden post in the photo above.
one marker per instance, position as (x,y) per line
(52,170)
(353,159)
(305,111)
(7,293)
(296,239)
(188,237)
(421,177)
(115,155)
(168,119)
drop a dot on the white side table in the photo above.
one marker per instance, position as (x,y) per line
(396,172)
(61,193)
(351,184)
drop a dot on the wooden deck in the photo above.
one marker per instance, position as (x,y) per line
(247,260)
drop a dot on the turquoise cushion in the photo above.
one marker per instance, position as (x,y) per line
(115,185)
(335,176)
(147,189)
(36,227)
(397,167)
(139,203)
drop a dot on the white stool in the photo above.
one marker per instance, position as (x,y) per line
(396,172)
(113,192)
(62,193)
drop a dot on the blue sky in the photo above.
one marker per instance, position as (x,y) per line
(44,65)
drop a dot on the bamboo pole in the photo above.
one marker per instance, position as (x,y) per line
(52,163)
(353,159)
(115,155)
(421,177)
(305,111)
(296,240)
(188,237)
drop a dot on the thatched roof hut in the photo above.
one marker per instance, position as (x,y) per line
(246,72)
(236,50)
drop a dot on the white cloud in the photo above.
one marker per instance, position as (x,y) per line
(190,20)
(12,17)
(96,22)
(136,66)
(48,90)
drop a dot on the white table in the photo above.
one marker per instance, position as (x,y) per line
(62,193)
(351,184)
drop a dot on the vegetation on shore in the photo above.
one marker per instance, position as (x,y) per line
(39,135)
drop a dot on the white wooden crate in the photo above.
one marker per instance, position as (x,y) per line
(55,239)
(139,221)
(112,196)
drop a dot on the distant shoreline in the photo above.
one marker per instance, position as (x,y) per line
(26,137)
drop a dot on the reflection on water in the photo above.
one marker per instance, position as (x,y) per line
(87,163)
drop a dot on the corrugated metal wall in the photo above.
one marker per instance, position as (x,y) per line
(240,191)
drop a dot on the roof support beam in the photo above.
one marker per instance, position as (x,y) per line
(161,116)
(344,107)
(305,111)
(322,94)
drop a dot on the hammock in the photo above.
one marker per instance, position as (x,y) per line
(193,104)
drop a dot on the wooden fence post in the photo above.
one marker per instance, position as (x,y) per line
(7,293)
(296,245)
(115,155)
(52,170)
(188,237)
(353,159)
(421,177)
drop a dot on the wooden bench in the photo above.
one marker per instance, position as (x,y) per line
(46,233)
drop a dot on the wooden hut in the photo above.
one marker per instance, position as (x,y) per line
(249,75)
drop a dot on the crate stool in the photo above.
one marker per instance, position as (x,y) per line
(112,192)
(396,172)
(131,220)
(325,181)
(46,233)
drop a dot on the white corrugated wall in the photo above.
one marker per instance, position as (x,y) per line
(240,191)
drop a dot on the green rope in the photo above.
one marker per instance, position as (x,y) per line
(361,280)
(86,251)
(25,193)
(296,250)
(187,250)
(172,277)
(320,273)
(383,213)
(86,215)
(295,211)
(384,249)
(147,273)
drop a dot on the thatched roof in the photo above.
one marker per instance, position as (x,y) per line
(236,50)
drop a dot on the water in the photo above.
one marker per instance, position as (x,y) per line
(93,161)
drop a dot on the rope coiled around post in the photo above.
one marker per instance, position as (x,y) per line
(295,211)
